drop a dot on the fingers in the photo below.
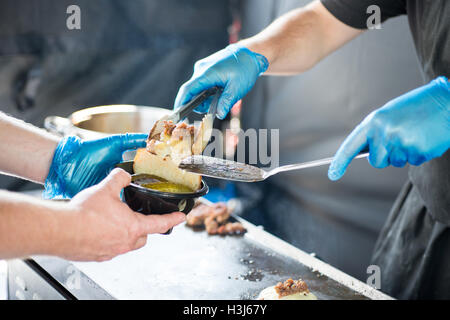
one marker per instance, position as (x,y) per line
(116,181)
(189,90)
(379,155)
(140,242)
(398,158)
(131,141)
(226,101)
(160,223)
(204,107)
(416,158)
(351,147)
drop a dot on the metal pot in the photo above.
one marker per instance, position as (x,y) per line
(98,122)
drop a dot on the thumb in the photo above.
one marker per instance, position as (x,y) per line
(160,223)
(189,90)
(116,180)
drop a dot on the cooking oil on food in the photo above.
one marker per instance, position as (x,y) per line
(167,187)
(159,184)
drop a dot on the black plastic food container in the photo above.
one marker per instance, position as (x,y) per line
(148,201)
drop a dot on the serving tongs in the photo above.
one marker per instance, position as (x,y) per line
(183,111)
(236,171)
(208,121)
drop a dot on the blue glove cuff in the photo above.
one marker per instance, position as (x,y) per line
(261,61)
(443,97)
(55,186)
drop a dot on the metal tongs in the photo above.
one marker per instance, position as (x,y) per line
(185,110)
(236,171)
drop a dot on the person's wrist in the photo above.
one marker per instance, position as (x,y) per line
(51,145)
(260,60)
(64,229)
(52,216)
(259,47)
(440,92)
(55,184)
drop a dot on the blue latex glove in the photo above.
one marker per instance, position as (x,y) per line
(235,69)
(413,128)
(79,164)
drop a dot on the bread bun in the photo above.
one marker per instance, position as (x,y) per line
(167,145)
(164,167)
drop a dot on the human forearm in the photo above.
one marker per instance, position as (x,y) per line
(292,44)
(29,226)
(25,151)
(299,39)
(95,225)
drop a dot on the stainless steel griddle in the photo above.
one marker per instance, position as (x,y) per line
(190,264)
(186,264)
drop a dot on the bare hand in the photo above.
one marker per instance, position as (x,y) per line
(101,226)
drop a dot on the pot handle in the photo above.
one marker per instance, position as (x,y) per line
(58,125)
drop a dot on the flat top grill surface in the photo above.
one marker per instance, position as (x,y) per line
(190,264)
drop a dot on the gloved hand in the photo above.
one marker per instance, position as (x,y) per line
(79,164)
(414,128)
(235,69)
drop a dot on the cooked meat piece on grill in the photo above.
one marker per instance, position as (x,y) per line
(231,228)
(218,212)
(288,290)
(197,216)
(214,218)
(291,287)
(211,225)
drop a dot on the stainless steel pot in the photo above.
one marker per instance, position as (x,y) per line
(97,122)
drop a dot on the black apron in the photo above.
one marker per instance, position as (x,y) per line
(413,250)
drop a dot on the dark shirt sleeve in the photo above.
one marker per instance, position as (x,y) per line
(354,12)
